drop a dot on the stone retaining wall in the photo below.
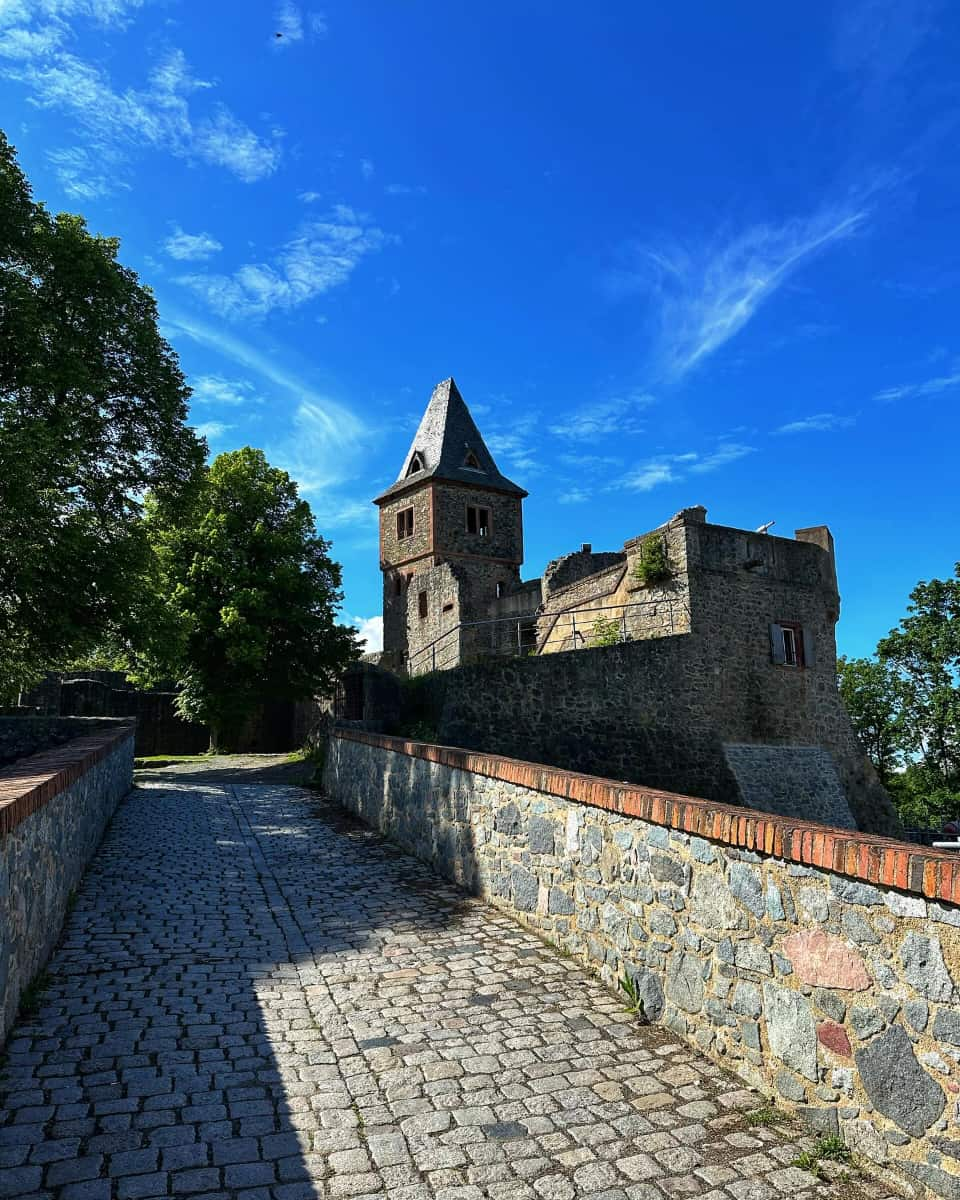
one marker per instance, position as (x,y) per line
(54,808)
(822,965)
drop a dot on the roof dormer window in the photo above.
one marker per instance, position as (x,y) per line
(416,464)
(471,462)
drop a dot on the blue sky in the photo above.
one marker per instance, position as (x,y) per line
(673,254)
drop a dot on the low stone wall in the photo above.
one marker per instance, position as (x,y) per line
(54,808)
(22,734)
(822,965)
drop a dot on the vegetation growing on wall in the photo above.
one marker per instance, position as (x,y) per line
(606,631)
(653,564)
(905,705)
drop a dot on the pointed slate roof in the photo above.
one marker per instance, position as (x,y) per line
(445,440)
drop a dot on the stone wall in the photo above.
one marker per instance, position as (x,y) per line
(54,808)
(160,730)
(822,966)
(23,735)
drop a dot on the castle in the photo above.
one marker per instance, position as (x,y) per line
(722,682)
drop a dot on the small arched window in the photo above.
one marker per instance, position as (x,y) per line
(416,464)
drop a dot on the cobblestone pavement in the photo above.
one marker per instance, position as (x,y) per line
(257,998)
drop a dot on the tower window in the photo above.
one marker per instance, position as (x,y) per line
(791,644)
(472,462)
(405,523)
(416,464)
(423,604)
(501,588)
(478,520)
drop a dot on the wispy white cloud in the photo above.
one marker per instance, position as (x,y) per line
(289,22)
(81,174)
(115,125)
(196,247)
(292,24)
(367,169)
(706,294)
(673,468)
(575,495)
(725,453)
(322,255)
(310,197)
(818,423)
(405,189)
(215,389)
(321,444)
(212,430)
(371,632)
(929,387)
(514,446)
(603,418)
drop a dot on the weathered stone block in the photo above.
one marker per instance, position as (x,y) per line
(745,883)
(897,1085)
(924,968)
(685,983)
(541,835)
(525,889)
(790,1029)
(825,961)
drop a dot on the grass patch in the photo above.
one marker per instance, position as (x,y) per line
(830,1149)
(169,760)
(766,1115)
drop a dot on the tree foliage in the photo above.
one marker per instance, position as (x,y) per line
(245,598)
(92,415)
(905,704)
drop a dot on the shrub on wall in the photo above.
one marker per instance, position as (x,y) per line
(606,632)
(653,566)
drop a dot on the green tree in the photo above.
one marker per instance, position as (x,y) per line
(92,415)
(247,598)
(875,696)
(925,652)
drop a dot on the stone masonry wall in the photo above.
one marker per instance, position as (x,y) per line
(54,808)
(822,966)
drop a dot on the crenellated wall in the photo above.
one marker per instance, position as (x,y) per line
(822,965)
(54,808)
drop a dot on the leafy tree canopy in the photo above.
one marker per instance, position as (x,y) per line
(92,416)
(905,704)
(247,598)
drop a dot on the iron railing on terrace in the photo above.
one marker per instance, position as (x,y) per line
(572,629)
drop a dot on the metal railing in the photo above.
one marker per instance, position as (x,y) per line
(535,633)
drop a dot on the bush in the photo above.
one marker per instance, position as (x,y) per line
(653,566)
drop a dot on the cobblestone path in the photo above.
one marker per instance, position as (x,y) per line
(256,998)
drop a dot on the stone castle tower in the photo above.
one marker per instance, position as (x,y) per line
(451,539)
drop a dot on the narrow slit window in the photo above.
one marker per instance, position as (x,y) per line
(423,604)
(478,520)
(404,523)
(398,585)
(501,588)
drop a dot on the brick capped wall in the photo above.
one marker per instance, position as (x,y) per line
(54,808)
(823,966)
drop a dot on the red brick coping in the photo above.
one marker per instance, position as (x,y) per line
(30,783)
(931,873)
